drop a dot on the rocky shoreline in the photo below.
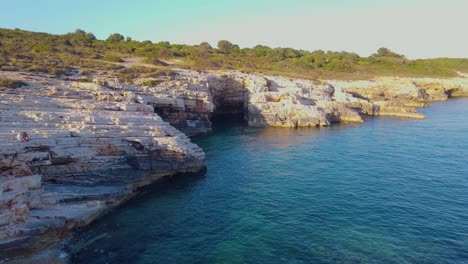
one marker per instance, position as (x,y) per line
(91,146)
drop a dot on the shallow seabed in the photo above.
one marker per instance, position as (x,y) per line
(386,191)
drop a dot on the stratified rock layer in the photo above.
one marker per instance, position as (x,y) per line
(90,147)
(401,96)
(191,99)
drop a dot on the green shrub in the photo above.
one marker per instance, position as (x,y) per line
(340,66)
(10,83)
(57,71)
(116,37)
(224,46)
(37,69)
(86,79)
(111,58)
(150,83)
(42,47)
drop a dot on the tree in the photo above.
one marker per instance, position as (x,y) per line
(384,52)
(165,53)
(128,39)
(89,37)
(205,45)
(235,49)
(261,51)
(81,38)
(146,43)
(204,50)
(79,32)
(164,44)
(292,53)
(224,46)
(116,37)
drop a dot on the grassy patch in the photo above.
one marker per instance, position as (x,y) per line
(151,83)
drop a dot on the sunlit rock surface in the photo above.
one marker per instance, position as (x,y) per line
(90,148)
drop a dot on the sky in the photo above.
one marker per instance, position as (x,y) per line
(416,28)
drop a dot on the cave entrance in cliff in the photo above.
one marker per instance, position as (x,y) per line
(229,108)
(228,112)
(229,97)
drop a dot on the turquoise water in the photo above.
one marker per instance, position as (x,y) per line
(386,191)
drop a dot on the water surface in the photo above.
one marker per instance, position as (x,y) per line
(386,191)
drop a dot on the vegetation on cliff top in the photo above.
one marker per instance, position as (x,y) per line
(59,54)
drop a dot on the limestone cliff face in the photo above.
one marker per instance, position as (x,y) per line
(90,148)
(285,102)
(185,102)
(295,103)
(189,100)
(401,96)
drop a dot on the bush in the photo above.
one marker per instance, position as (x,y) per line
(224,46)
(111,58)
(384,52)
(150,83)
(37,69)
(116,37)
(340,66)
(12,84)
(57,71)
(86,79)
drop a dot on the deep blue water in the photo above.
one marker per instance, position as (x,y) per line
(386,191)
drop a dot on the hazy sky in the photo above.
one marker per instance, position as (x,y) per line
(416,28)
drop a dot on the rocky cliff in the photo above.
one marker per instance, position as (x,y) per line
(401,96)
(90,146)
(190,100)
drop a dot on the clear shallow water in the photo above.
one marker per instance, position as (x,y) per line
(386,191)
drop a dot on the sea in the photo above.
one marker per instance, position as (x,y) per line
(389,190)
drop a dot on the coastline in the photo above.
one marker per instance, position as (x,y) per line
(85,136)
